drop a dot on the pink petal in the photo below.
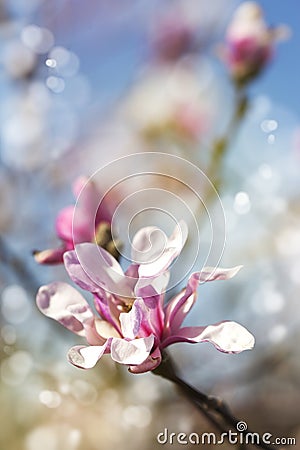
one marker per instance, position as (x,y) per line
(77,273)
(131,352)
(86,357)
(108,308)
(50,256)
(149,287)
(132,271)
(77,223)
(64,223)
(143,319)
(90,202)
(87,196)
(54,301)
(153,314)
(165,252)
(149,295)
(149,290)
(63,303)
(178,308)
(74,225)
(79,184)
(228,337)
(98,268)
(149,364)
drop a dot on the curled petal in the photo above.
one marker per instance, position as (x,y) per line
(147,243)
(131,352)
(217,273)
(86,357)
(227,337)
(162,257)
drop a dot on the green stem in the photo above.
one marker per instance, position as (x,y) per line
(221,144)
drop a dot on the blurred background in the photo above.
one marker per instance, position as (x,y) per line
(82,85)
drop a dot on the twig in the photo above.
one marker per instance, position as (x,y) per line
(214,409)
(221,144)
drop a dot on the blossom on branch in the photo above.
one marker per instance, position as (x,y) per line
(132,321)
(92,223)
(250,42)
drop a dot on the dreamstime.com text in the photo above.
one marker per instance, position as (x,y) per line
(240,436)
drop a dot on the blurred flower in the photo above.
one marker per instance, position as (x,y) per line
(172,37)
(250,42)
(170,105)
(91,223)
(136,326)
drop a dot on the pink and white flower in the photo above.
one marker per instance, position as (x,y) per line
(250,42)
(89,216)
(137,326)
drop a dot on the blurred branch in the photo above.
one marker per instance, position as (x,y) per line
(213,408)
(18,267)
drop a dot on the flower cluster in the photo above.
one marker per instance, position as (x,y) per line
(132,321)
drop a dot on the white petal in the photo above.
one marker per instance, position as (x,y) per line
(228,337)
(147,244)
(218,273)
(86,357)
(131,352)
(131,321)
(167,254)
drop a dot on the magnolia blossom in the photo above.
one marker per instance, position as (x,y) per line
(250,42)
(131,321)
(90,223)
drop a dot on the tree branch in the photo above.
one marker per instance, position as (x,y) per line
(213,408)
